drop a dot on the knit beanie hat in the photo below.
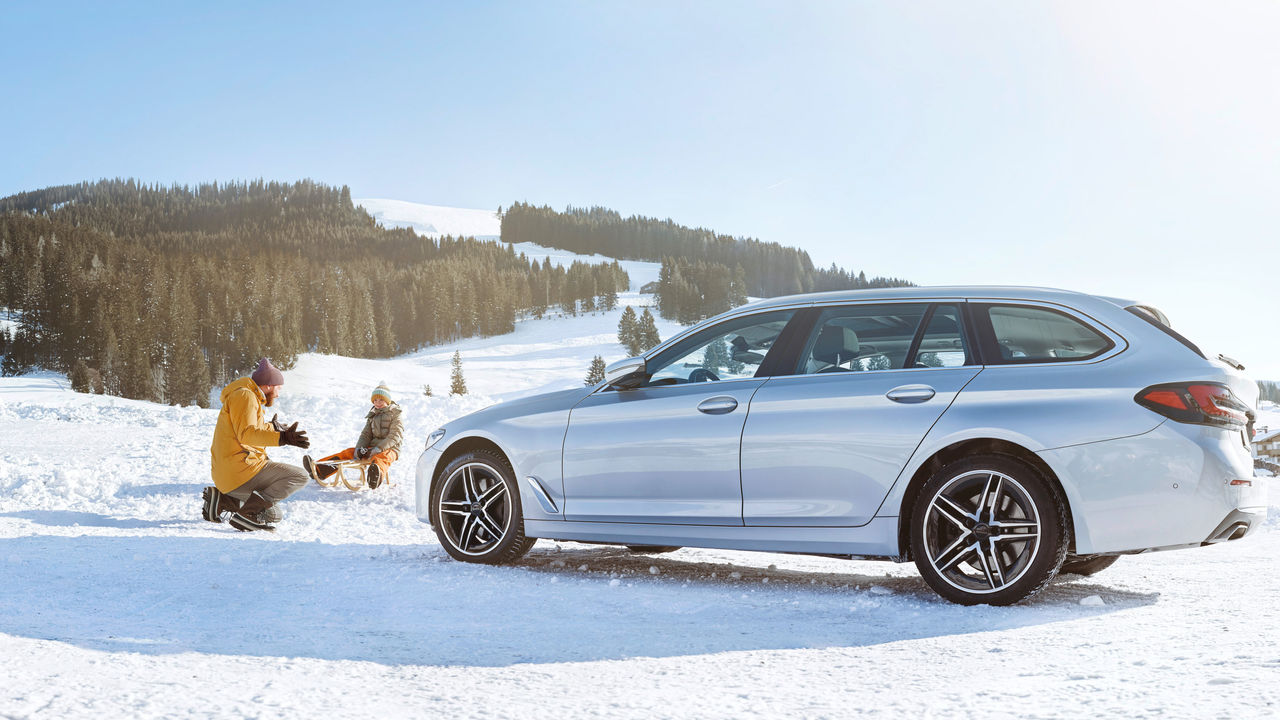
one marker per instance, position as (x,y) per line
(267,374)
(382,391)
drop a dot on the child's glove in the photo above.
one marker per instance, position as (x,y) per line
(364,453)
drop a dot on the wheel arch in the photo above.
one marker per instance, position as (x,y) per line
(966,448)
(465,445)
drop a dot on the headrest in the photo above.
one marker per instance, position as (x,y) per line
(836,344)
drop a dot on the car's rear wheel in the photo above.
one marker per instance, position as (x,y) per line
(475,504)
(988,529)
(1087,565)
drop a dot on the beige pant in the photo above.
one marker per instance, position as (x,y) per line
(275,482)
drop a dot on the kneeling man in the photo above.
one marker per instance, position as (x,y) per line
(246,483)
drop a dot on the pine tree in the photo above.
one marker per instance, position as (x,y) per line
(426,390)
(80,377)
(647,332)
(715,356)
(627,332)
(595,373)
(457,384)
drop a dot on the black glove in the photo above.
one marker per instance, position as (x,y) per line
(276,424)
(295,437)
(363,453)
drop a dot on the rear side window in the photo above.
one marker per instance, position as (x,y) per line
(1027,334)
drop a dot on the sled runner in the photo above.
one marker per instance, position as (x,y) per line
(351,473)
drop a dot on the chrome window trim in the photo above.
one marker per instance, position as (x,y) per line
(1121,343)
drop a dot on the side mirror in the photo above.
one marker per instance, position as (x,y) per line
(625,374)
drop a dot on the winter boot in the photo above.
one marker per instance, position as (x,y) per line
(272,515)
(317,471)
(373,476)
(253,515)
(216,503)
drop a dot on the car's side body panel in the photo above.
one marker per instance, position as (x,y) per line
(825,449)
(651,455)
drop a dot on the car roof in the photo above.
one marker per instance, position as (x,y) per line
(995,292)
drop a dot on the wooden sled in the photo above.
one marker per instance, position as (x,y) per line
(352,474)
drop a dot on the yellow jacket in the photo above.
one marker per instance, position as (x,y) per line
(237,452)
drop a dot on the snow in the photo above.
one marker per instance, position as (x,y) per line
(436,220)
(116,599)
(8,321)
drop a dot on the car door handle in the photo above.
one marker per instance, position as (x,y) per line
(718,405)
(911,393)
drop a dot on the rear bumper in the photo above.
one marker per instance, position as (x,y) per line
(1167,488)
(1236,525)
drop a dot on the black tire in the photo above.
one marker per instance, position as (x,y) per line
(1087,565)
(475,510)
(652,549)
(988,529)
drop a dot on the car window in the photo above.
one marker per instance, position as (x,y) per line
(862,337)
(729,350)
(1025,334)
(942,344)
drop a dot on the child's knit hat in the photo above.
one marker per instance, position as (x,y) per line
(382,391)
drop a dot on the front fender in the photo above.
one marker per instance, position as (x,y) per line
(532,444)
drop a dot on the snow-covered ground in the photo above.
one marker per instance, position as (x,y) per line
(116,599)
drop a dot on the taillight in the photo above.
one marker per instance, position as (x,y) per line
(1197,403)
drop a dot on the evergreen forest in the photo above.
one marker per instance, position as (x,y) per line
(703,273)
(164,292)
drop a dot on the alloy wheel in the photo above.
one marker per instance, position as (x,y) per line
(982,530)
(475,509)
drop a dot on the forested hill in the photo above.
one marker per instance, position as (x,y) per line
(703,272)
(162,292)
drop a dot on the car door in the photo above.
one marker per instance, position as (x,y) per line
(667,452)
(823,446)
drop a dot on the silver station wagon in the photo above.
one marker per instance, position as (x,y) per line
(996,436)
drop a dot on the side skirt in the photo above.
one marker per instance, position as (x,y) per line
(877,539)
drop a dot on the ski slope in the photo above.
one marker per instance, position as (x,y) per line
(116,599)
(436,221)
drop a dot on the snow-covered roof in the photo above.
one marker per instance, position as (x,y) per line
(1268,435)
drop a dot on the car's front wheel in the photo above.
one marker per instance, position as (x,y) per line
(988,529)
(475,504)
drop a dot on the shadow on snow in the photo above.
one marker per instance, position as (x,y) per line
(237,594)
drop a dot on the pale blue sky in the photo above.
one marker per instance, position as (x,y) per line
(1122,148)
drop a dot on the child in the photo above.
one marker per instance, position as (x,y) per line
(380,441)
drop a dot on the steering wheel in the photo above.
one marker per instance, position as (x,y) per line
(702,375)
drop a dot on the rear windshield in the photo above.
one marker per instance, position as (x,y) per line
(1156,318)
